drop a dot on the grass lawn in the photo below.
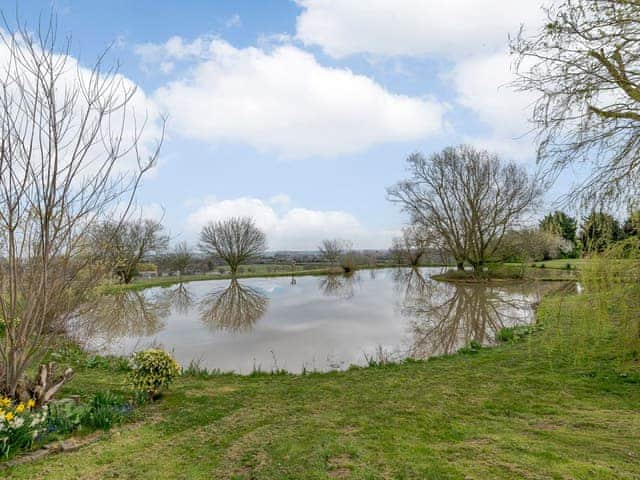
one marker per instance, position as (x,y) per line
(561,263)
(521,410)
(247,271)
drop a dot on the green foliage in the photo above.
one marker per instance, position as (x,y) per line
(152,371)
(104,411)
(599,231)
(560,223)
(473,347)
(195,369)
(64,418)
(632,224)
(516,333)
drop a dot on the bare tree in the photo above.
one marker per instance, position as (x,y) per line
(467,197)
(180,258)
(331,250)
(124,244)
(235,240)
(411,247)
(584,65)
(70,152)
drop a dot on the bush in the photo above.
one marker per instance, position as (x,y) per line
(516,333)
(104,411)
(64,418)
(20,425)
(152,371)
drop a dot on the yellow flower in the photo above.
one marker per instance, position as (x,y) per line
(31,403)
(8,417)
(20,408)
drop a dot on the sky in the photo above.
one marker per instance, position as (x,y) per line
(301,113)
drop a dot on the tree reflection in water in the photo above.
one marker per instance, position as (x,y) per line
(340,285)
(123,314)
(179,298)
(444,317)
(234,309)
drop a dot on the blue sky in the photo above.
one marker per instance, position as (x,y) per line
(302,113)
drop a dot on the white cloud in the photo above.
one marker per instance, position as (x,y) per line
(483,85)
(412,27)
(282,100)
(470,35)
(133,120)
(280,200)
(293,229)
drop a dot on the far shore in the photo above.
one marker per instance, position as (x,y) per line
(552,270)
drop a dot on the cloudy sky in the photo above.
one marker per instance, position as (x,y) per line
(301,113)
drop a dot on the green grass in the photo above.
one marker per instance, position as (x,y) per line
(508,272)
(248,271)
(561,263)
(142,283)
(542,407)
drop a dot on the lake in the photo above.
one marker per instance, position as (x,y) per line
(308,323)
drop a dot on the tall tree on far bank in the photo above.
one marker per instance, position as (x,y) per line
(598,231)
(123,245)
(584,65)
(71,153)
(235,240)
(468,197)
(559,223)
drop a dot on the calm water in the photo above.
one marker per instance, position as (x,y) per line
(317,323)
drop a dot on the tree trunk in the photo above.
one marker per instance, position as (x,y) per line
(460,266)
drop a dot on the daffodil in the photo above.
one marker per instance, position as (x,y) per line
(20,408)
(31,403)
(9,416)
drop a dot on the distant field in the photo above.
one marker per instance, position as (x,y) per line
(247,271)
(576,263)
(258,270)
(561,263)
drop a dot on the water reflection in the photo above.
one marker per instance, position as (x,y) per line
(179,298)
(443,317)
(233,309)
(340,285)
(122,314)
(318,323)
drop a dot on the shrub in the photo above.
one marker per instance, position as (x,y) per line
(64,418)
(473,347)
(20,425)
(104,411)
(516,333)
(152,371)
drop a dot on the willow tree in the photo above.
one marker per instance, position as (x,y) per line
(584,66)
(469,198)
(235,241)
(71,151)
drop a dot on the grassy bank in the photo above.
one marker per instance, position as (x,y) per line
(561,403)
(256,271)
(142,283)
(510,272)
